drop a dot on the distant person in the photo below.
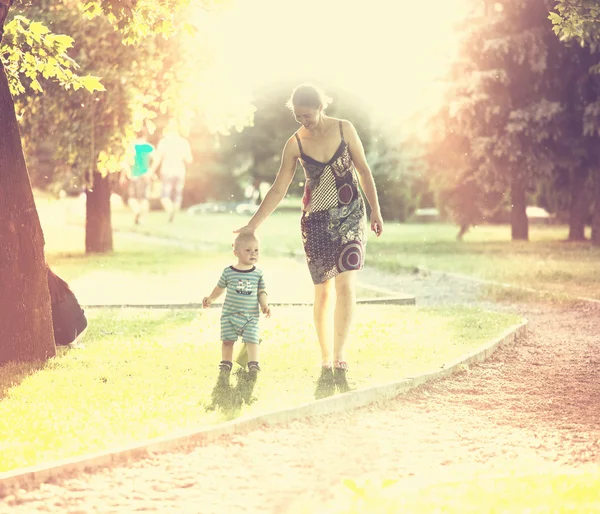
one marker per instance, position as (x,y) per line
(173,154)
(333,222)
(246,296)
(140,178)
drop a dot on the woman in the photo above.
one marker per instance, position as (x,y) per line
(333,220)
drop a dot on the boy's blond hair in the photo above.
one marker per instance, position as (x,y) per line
(244,238)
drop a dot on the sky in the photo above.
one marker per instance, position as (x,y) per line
(389,53)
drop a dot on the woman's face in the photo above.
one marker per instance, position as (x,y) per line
(308,117)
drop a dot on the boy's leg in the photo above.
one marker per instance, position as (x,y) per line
(252,353)
(251,338)
(247,380)
(227,350)
(228,338)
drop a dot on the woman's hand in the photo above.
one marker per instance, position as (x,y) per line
(376,223)
(206,302)
(247,229)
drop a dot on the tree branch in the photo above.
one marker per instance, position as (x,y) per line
(4,7)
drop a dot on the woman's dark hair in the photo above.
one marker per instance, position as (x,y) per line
(308,95)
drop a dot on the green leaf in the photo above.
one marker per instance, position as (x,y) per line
(37,30)
(91,83)
(555,18)
(36,86)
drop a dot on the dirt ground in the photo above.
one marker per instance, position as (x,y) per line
(533,405)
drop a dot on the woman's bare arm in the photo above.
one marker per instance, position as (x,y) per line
(279,187)
(365,176)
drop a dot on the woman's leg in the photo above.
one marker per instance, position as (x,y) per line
(345,290)
(322,318)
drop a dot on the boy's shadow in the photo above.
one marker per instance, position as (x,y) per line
(230,399)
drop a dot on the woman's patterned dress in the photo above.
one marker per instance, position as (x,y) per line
(333,215)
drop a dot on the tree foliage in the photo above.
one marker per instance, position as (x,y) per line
(577,20)
(493,133)
(252,156)
(26,326)
(31,52)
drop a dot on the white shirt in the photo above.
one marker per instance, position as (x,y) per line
(173,152)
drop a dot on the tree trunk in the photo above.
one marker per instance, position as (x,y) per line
(596,214)
(579,206)
(518,214)
(98,226)
(26,333)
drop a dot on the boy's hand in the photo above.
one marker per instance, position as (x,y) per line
(206,302)
(266,310)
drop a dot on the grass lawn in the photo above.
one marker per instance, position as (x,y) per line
(546,262)
(146,271)
(149,273)
(144,373)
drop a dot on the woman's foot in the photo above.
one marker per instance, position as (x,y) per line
(340,369)
(325,383)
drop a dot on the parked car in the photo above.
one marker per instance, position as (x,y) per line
(243,208)
(428,215)
(539,215)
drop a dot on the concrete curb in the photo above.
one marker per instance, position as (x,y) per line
(27,478)
(396,300)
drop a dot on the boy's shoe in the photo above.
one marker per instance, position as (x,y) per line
(340,369)
(325,383)
(225,366)
(253,367)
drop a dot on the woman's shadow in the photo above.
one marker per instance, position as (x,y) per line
(230,399)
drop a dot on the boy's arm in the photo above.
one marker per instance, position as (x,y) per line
(263,301)
(208,300)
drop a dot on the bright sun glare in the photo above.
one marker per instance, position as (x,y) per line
(387,52)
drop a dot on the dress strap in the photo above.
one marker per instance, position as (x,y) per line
(341,130)
(299,143)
